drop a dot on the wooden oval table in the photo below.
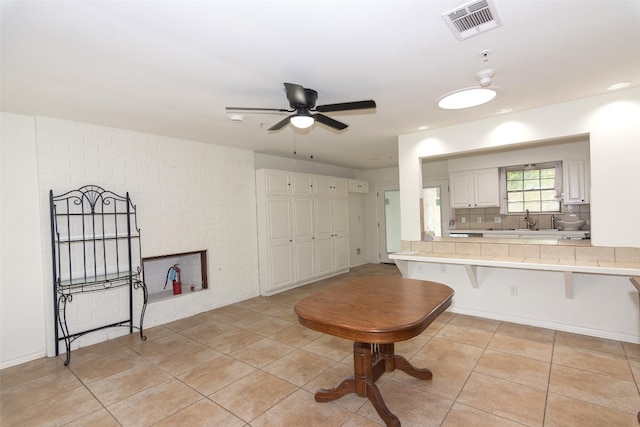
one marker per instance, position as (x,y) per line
(374,312)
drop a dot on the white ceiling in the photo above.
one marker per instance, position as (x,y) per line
(171,67)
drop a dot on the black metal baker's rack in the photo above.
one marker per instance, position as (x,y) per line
(95,244)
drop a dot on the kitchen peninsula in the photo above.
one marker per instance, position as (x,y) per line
(518,279)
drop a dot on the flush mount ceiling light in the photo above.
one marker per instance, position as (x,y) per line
(302,121)
(620,85)
(467,98)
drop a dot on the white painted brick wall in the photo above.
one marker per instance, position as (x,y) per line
(189,195)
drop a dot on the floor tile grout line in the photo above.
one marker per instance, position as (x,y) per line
(627,354)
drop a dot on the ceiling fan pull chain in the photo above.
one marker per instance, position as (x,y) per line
(294,143)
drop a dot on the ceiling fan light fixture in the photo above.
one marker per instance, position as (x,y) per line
(467,98)
(302,121)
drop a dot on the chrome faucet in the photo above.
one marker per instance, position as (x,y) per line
(530,224)
(553,222)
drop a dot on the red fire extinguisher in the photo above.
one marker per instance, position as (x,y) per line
(174,275)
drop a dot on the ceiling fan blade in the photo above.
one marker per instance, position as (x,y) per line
(295,94)
(325,120)
(345,106)
(282,123)
(281,110)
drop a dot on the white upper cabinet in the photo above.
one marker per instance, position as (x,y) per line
(358,186)
(277,183)
(475,189)
(340,187)
(280,183)
(301,184)
(575,174)
(486,189)
(330,186)
(322,186)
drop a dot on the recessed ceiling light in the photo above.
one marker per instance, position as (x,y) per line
(504,110)
(617,86)
(423,127)
(466,98)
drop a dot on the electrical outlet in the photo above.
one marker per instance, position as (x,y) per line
(463,219)
(497,219)
(513,290)
(358,251)
(479,219)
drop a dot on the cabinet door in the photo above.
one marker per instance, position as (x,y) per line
(322,186)
(353,186)
(279,222)
(323,232)
(340,187)
(280,245)
(281,266)
(461,185)
(303,238)
(277,183)
(486,185)
(324,256)
(341,251)
(340,208)
(575,182)
(341,234)
(323,218)
(301,184)
(363,186)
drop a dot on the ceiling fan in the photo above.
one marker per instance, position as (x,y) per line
(303,103)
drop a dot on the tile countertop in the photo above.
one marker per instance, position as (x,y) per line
(576,256)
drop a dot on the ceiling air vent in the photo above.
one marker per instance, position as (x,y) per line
(473,18)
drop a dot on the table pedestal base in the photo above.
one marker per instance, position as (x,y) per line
(369,362)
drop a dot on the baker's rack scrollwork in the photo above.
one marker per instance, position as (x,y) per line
(95,244)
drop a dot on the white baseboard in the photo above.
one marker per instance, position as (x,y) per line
(547,325)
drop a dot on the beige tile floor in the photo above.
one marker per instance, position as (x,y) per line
(252,364)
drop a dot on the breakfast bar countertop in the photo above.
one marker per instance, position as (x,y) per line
(560,255)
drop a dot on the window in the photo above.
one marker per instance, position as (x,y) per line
(532,188)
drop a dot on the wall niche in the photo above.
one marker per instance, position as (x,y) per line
(187,269)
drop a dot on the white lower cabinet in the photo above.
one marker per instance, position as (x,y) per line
(303,238)
(279,242)
(341,234)
(300,239)
(332,235)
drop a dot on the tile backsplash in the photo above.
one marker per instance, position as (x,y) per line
(485,218)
